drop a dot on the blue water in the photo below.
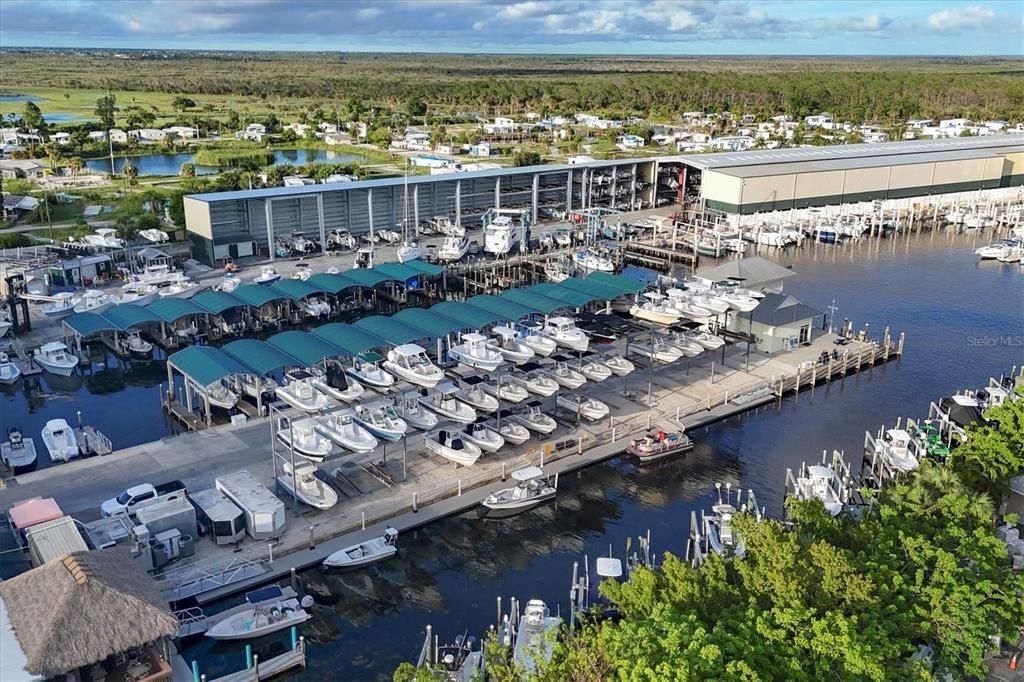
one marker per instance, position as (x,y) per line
(9,97)
(170,164)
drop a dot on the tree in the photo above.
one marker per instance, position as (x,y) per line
(106,108)
(233,122)
(130,174)
(526,158)
(139,118)
(380,137)
(415,107)
(180,104)
(188,170)
(75,165)
(32,118)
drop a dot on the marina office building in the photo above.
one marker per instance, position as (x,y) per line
(244,223)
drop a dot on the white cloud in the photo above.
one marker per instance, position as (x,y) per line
(868,23)
(682,20)
(523,10)
(369,13)
(959,18)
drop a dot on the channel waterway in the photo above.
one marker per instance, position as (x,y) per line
(170,164)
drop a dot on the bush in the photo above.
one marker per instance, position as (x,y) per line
(233,158)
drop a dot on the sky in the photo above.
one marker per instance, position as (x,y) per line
(673,27)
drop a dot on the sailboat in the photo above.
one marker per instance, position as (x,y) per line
(410,248)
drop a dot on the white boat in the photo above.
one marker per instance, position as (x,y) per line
(558,271)
(62,307)
(654,309)
(410,362)
(340,240)
(728,285)
(342,428)
(186,288)
(253,387)
(382,421)
(531,488)
(443,401)
(689,347)
(365,553)
(366,369)
(591,370)
(589,408)
(302,272)
(55,358)
(268,275)
(501,235)
(484,437)
(18,452)
(300,392)
(229,283)
(532,338)
(540,383)
(475,396)
(821,483)
(453,248)
(415,415)
(895,448)
(140,294)
(154,273)
(706,339)
(566,376)
(736,301)
(92,301)
(453,447)
(60,441)
(409,250)
(979,220)
(657,350)
(619,365)
(442,224)
(1012,255)
(364,258)
(268,612)
(513,432)
(336,384)
(474,352)
(590,260)
(507,388)
(712,304)
(681,301)
(512,348)
(104,238)
(138,347)
(218,394)
(535,637)
(154,235)
(316,306)
(305,486)
(996,249)
(9,371)
(301,435)
(564,332)
(535,420)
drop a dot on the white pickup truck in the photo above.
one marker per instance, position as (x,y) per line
(142,495)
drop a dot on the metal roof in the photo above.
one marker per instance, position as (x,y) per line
(296,288)
(776,310)
(333,283)
(505,309)
(173,309)
(467,315)
(573,297)
(206,364)
(603,292)
(625,285)
(429,322)
(823,165)
(368,278)
(752,271)
(304,347)
(390,330)
(348,338)
(217,301)
(428,269)
(128,315)
(259,357)
(257,295)
(398,271)
(87,324)
(536,302)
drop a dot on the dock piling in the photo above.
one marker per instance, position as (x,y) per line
(248,656)
(195,671)
(414,509)
(362,517)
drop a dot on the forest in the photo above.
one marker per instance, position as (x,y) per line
(881,90)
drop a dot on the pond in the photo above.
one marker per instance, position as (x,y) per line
(170,164)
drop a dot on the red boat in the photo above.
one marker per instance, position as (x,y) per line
(658,444)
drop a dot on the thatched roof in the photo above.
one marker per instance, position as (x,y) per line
(82,608)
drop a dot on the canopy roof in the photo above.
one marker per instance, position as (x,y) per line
(259,357)
(33,511)
(390,330)
(398,271)
(368,278)
(217,301)
(87,324)
(467,315)
(536,302)
(601,292)
(128,315)
(753,271)
(503,308)
(348,338)
(296,288)
(206,364)
(258,295)
(432,324)
(333,283)
(173,309)
(625,285)
(576,299)
(304,347)
(425,268)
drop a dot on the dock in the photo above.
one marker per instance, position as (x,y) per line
(264,670)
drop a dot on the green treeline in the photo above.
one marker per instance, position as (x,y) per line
(233,158)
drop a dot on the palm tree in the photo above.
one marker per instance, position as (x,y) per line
(75,166)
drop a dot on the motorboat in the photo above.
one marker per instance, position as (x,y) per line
(140,294)
(254,387)
(713,304)
(54,357)
(364,258)
(507,388)
(336,384)
(618,365)
(535,637)
(267,611)
(365,553)
(366,370)
(382,421)
(342,428)
(186,288)
(535,420)
(654,309)
(410,362)
(531,488)
(415,415)
(218,394)
(996,249)
(681,300)
(566,376)
(819,482)
(63,305)
(558,270)
(409,250)
(483,436)
(302,272)
(475,396)
(656,349)
(453,447)
(706,339)
(979,220)
(138,347)
(340,240)
(513,432)
(501,235)
(474,352)
(10,372)
(389,236)
(60,440)
(444,402)
(442,224)
(229,283)
(728,285)
(689,347)
(92,301)
(531,337)
(300,392)
(453,248)
(305,486)
(736,301)
(507,342)
(588,408)
(154,235)
(895,448)
(539,382)
(659,444)
(18,452)
(591,370)
(301,435)
(268,275)
(104,238)
(1014,254)
(564,332)
(590,260)
(316,306)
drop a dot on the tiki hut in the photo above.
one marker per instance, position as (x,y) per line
(81,609)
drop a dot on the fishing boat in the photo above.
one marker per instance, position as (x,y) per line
(409,250)
(336,383)
(685,344)
(507,388)
(268,611)
(268,275)
(340,240)
(382,421)
(63,306)
(453,248)
(92,301)
(507,342)
(558,270)
(10,372)
(365,553)
(895,448)
(186,288)
(302,272)
(588,408)
(657,350)
(301,435)
(366,369)
(564,332)
(591,260)
(618,365)
(316,306)
(140,294)
(305,486)
(566,376)
(453,447)
(996,249)
(229,283)
(474,352)
(364,258)
(539,382)
(979,220)
(712,304)
(300,392)
(415,415)
(342,428)
(104,238)
(513,432)
(501,236)
(821,483)
(443,401)
(483,436)
(654,309)
(1014,254)
(18,452)
(706,339)
(591,370)
(681,301)
(410,362)
(154,235)
(60,441)
(535,420)
(659,444)
(531,337)
(55,358)
(531,488)
(138,347)
(728,285)
(736,301)
(535,637)
(253,386)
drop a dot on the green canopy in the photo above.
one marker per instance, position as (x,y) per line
(173,309)
(258,295)
(305,347)
(261,358)
(206,365)
(398,271)
(536,302)
(128,315)
(296,288)
(87,324)
(428,269)
(576,299)
(467,315)
(601,292)
(624,285)
(333,283)
(367,278)
(431,323)
(502,308)
(352,340)
(217,301)
(390,330)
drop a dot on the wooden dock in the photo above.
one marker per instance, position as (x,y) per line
(180,412)
(264,670)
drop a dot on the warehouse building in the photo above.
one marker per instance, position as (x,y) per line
(244,223)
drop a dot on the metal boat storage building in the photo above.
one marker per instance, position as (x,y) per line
(246,222)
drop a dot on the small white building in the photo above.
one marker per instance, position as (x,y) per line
(779,322)
(8,136)
(300,129)
(254,132)
(731,143)
(147,134)
(11,169)
(822,120)
(336,138)
(97,135)
(629,142)
(327,128)
(61,138)
(481,149)
(182,132)
(118,135)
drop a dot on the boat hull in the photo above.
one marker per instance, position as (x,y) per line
(315,452)
(426,381)
(340,560)
(506,509)
(466,457)
(482,364)
(382,380)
